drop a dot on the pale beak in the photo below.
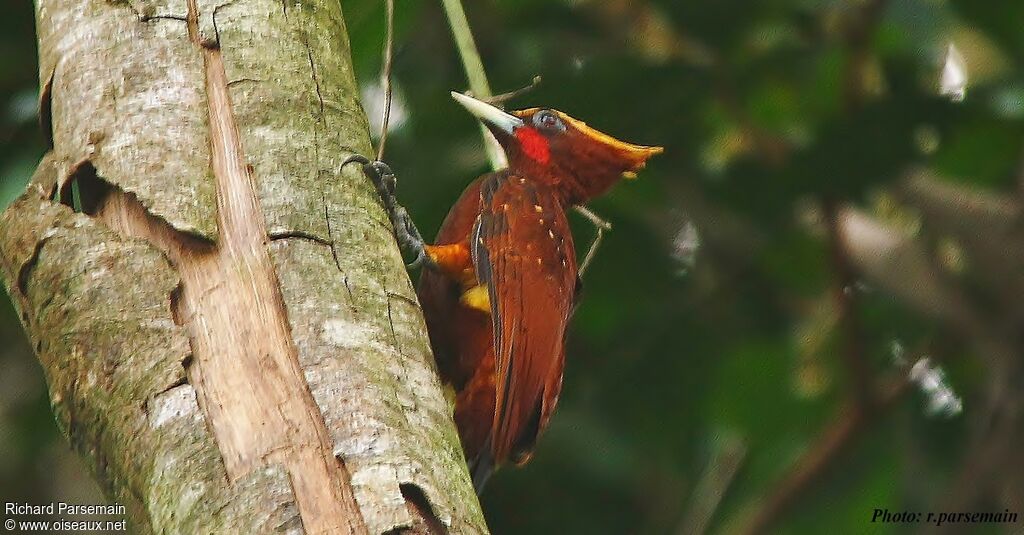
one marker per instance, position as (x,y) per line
(490,115)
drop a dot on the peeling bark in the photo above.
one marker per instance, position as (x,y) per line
(227,329)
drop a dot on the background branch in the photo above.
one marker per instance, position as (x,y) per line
(837,438)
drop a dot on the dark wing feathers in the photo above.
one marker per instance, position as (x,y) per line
(523,251)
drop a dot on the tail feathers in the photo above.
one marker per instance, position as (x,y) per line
(481,468)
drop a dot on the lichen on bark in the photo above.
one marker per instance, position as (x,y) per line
(155,106)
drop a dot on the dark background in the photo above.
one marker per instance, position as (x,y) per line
(714,343)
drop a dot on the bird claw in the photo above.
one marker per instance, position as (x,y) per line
(385,178)
(379,172)
(405,231)
(421,258)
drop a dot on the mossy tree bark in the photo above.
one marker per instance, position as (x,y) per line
(226,326)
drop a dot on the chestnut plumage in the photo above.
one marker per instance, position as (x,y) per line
(503,277)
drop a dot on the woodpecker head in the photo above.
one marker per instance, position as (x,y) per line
(550,146)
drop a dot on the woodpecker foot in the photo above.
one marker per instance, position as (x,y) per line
(406,233)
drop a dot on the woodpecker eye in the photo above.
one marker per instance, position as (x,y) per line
(548,120)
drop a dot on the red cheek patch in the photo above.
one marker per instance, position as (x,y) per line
(534,144)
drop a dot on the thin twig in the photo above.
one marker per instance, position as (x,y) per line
(500,100)
(385,74)
(475,73)
(600,225)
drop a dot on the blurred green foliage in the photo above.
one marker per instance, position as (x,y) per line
(672,360)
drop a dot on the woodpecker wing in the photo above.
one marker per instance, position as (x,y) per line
(447,322)
(523,252)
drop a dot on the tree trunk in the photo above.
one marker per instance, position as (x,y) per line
(228,332)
